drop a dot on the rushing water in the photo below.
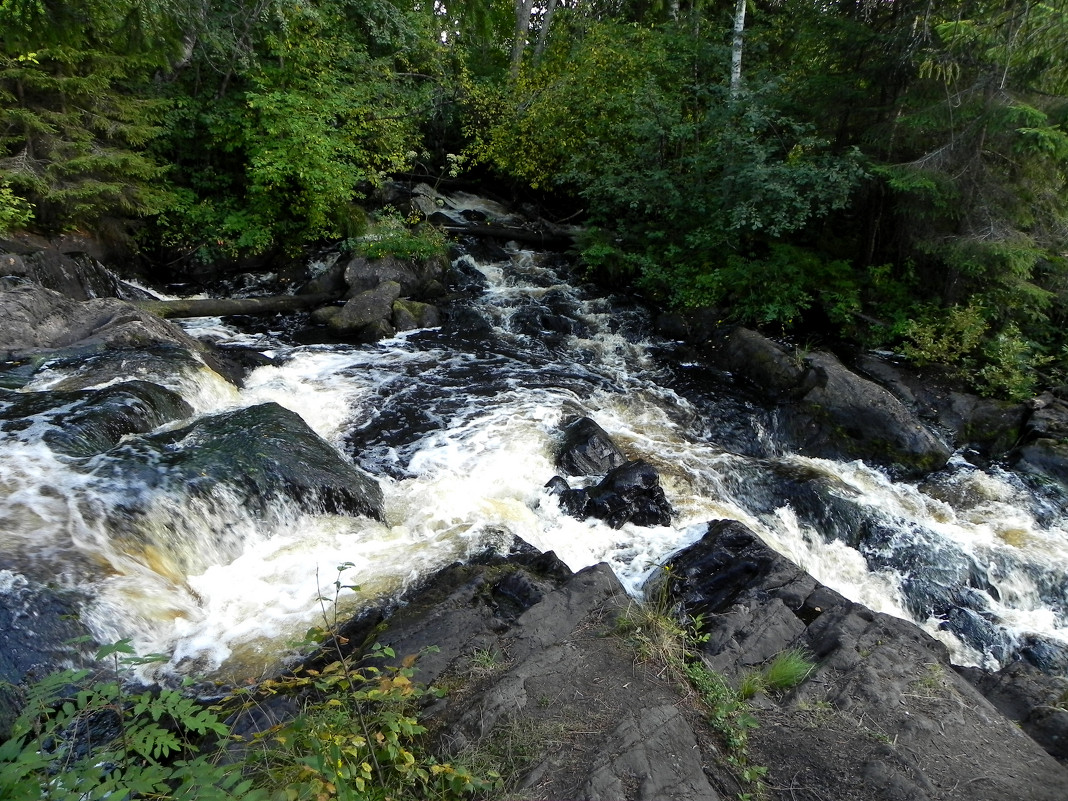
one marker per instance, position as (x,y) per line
(459,427)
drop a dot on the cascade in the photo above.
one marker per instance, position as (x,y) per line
(457,425)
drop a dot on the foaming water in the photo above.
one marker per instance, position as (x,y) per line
(460,429)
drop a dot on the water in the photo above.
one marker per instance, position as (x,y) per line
(459,426)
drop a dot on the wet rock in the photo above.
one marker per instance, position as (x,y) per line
(260,452)
(830,411)
(33,318)
(69,270)
(587,449)
(409,315)
(630,493)
(368,313)
(84,423)
(39,626)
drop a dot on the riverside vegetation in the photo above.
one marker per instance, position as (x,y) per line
(888,173)
(354,733)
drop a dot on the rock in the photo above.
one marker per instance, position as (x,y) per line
(417,278)
(409,315)
(760,361)
(562,699)
(882,716)
(33,318)
(89,422)
(985,426)
(1044,444)
(368,313)
(586,449)
(168,497)
(630,493)
(260,452)
(830,411)
(40,630)
(1031,698)
(844,414)
(69,270)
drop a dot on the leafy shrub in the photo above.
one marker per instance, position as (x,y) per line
(393,235)
(14,211)
(74,742)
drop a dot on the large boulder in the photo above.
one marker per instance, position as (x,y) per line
(33,318)
(882,715)
(830,411)
(1043,448)
(417,278)
(368,315)
(259,452)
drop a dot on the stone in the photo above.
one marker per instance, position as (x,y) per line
(630,493)
(586,449)
(409,315)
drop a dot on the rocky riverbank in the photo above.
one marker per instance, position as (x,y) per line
(547,677)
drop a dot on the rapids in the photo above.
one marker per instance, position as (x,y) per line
(458,425)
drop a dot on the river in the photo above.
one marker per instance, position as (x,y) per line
(459,426)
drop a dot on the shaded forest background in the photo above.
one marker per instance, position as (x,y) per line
(891,172)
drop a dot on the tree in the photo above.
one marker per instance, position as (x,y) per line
(73,123)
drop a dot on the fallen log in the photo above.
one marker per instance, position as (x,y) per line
(223,307)
(555,239)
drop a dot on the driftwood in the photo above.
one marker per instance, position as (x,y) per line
(556,239)
(221,307)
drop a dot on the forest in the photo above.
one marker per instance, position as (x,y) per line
(887,173)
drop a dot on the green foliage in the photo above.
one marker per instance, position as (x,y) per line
(78,739)
(358,738)
(787,670)
(391,234)
(74,117)
(15,212)
(274,151)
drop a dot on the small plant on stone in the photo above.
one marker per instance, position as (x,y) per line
(787,670)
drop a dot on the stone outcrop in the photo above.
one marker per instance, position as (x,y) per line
(829,411)
(884,715)
(586,449)
(539,673)
(629,491)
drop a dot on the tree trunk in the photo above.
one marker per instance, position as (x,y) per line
(222,307)
(543,34)
(522,28)
(736,48)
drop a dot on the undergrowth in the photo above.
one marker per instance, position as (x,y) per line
(659,636)
(357,737)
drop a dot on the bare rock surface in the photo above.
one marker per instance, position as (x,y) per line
(883,715)
(829,410)
(538,674)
